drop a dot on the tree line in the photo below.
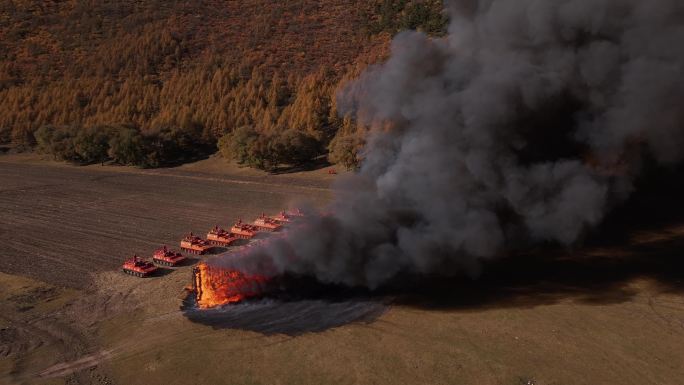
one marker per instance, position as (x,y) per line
(151,96)
(257,119)
(121,144)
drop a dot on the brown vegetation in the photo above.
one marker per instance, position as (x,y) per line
(195,69)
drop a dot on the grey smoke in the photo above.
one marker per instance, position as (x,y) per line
(526,124)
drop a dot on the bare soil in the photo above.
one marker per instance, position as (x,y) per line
(60,223)
(69,316)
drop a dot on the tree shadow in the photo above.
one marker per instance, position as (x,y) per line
(192,158)
(313,165)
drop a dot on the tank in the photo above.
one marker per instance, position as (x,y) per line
(243,230)
(194,245)
(282,218)
(295,213)
(264,223)
(138,267)
(166,257)
(220,237)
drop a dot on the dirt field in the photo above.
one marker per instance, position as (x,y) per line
(68,316)
(69,221)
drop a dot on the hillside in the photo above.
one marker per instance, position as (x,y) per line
(149,82)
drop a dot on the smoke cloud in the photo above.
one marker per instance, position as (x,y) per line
(525,124)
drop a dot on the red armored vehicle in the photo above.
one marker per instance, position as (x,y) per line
(295,213)
(243,230)
(264,223)
(220,237)
(166,257)
(138,267)
(282,218)
(194,245)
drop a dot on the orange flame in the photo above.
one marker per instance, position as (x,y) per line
(216,286)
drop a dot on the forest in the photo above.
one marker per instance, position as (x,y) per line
(158,82)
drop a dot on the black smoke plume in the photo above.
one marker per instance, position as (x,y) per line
(525,124)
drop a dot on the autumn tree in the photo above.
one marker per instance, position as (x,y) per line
(344,150)
(165,82)
(126,146)
(92,144)
(238,144)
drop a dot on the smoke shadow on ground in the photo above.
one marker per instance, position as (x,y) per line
(641,239)
(593,276)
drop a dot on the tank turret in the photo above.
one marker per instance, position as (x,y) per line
(264,223)
(194,245)
(138,267)
(243,230)
(164,256)
(220,237)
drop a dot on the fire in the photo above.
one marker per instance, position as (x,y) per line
(216,286)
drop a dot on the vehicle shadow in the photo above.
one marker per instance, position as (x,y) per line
(162,271)
(189,261)
(216,250)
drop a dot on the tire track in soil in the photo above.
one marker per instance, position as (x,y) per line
(61,223)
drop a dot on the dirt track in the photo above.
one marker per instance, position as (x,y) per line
(124,330)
